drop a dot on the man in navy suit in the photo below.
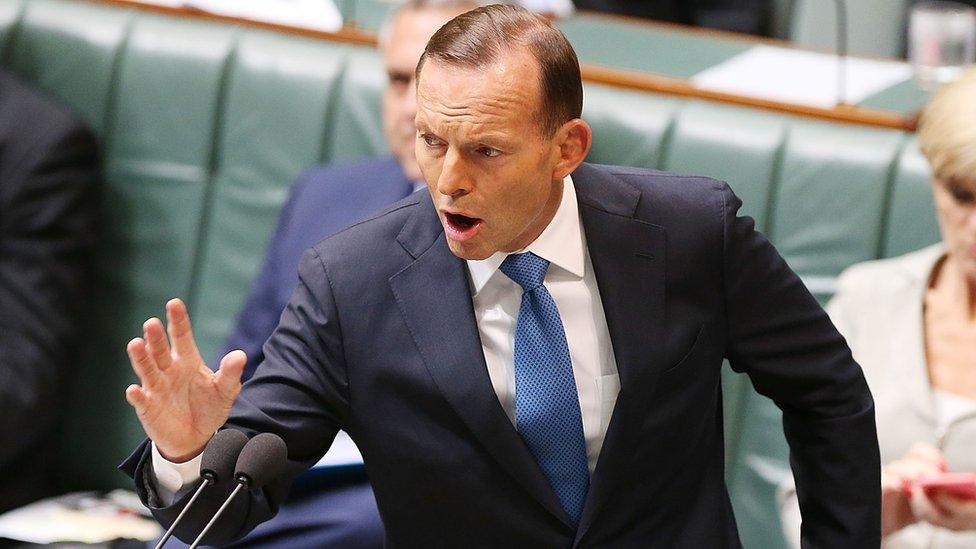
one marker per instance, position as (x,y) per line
(529,355)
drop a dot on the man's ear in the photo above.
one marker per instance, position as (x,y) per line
(573,140)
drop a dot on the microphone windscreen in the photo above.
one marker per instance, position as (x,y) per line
(220,455)
(263,458)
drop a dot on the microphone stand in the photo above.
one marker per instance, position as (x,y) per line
(241,483)
(207,481)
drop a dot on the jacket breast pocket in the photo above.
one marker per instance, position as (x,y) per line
(693,352)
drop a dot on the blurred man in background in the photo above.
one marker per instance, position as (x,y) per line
(49,172)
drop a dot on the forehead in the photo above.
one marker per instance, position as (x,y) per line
(508,87)
(409,32)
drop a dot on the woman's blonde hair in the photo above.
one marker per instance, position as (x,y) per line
(947,130)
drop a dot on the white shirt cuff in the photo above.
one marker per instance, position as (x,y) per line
(170,478)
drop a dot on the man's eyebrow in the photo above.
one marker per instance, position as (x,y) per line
(395,74)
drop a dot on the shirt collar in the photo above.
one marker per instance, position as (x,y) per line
(561,243)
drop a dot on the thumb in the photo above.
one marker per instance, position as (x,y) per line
(229,373)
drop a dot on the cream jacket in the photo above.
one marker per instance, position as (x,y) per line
(878,308)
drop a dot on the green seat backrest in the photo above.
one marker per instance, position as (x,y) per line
(281,99)
(736,145)
(356,132)
(910,223)
(831,197)
(159,159)
(74,62)
(629,128)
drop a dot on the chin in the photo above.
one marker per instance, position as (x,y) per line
(468,252)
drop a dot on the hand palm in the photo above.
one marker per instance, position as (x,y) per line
(181,402)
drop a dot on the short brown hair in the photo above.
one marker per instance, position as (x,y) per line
(477,38)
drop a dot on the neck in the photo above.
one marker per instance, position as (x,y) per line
(958,287)
(541,221)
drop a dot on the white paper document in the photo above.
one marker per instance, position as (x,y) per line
(320,15)
(311,14)
(342,452)
(800,77)
(80,517)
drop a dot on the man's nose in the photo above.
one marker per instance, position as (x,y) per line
(454,180)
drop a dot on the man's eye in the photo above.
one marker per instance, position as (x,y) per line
(431,141)
(489,152)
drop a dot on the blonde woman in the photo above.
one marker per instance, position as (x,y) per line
(911,323)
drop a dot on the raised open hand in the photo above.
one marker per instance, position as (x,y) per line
(181,402)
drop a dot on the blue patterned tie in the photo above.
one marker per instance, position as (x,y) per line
(547,411)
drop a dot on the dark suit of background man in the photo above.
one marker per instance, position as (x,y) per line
(334,506)
(48,176)
(470,341)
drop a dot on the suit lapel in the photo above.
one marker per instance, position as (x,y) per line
(628,257)
(435,301)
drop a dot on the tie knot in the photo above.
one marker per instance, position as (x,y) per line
(527,270)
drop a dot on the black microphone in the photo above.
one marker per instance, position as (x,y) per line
(263,458)
(216,465)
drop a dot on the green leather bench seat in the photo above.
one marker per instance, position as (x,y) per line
(205,125)
(910,223)
(739,146)
(266,80)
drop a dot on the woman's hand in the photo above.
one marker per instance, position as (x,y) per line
(897,510)
(944,510)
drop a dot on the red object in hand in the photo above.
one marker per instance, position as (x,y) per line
(960,485)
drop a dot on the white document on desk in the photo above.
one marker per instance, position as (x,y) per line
(342,452)
(800,77)
(320,15)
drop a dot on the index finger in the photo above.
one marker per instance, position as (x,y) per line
(927,453)
(179,329)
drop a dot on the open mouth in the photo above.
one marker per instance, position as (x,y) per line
(462,222)
(461,226)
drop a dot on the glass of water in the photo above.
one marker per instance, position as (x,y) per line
(941,41)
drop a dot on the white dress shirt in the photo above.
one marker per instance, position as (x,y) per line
(496,299)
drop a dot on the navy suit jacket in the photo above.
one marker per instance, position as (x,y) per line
(380,339)
(323,201)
